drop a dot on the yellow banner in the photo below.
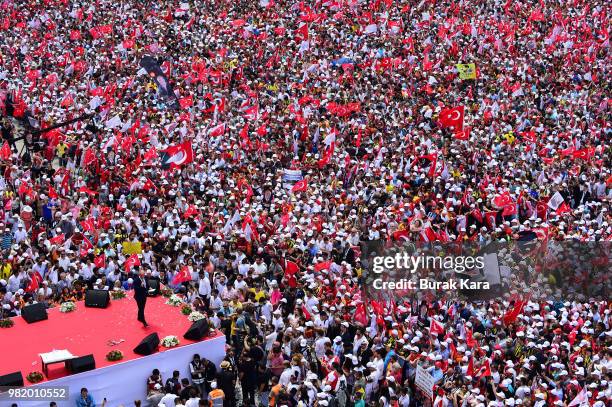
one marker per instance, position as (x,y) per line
(466,71)
(132,248)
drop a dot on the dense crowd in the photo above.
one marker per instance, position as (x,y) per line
(280,137)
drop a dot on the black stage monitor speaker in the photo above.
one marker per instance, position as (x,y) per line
(153,285)
(12,380)
(148,345)
(81,364)
(97,298)
(34,312)
(198,330)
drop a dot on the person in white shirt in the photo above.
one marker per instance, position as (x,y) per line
(240,284)
(169,400)
(45,291)
(285,377)
(321,321)
(13,282)
(193,401)
(277,319)
(204,288)
(216,303)
(266,310)
(64,261)
(259,267)
(319,345)
(20,234)
(310,302)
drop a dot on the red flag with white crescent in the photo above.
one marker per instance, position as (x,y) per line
(452,118)
(300,186)
(178,155)
(182,276)
(435,328)
(132,262)
(100,261)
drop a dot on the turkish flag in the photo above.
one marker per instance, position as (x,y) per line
(401,235)
(291,267)
(452,118)
(128,44)
(501,201)
(182,276)
(237,23)
(131,262)
(435,328)
(191,211)
(509,210)
(512,315)
(100,261)
(89,157)
(300,186)
(324,265)
(251,113)
(5,151)
(360,314)
(87,191)
(217,130)
(52,193)
(67,101)
(306,313)
(377,307)
(541,233)
(563,208)
(75,35)
(58,240)
(178,155)
(463,134)
(324,160)
(86,246)
(149,185)
(186,102)
(485,369)
(302,32)
(88,225)
(35,280)
(470,368)
(584,154)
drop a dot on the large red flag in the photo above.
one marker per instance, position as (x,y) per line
(435,327)
(324,265)
(100,261)
(453,118)
(53,193)
(512,315)
(291,268)
(35,280)
(88,225)
(131,262)
(182,276)
(360,314)
(485,369)
(176,156)
(5,152)
(470,368)
(58,240)
(300,186)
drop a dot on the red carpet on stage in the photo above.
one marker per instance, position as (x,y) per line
(89,331)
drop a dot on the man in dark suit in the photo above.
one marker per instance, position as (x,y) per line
(140,295)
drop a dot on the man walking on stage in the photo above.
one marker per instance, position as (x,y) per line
(140,295)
